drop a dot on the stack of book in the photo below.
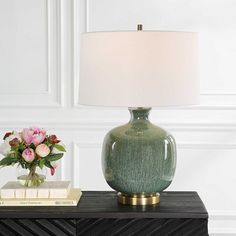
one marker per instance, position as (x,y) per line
(50,193)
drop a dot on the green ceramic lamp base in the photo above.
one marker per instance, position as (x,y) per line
(139,159)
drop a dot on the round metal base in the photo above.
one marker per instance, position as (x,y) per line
(138,200)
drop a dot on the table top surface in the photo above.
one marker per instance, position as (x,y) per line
(103,204)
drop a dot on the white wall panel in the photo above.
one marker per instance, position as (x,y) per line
(161,14)
(30,53)
(88,168)
(23,41)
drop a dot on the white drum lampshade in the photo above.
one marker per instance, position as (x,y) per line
(138,69)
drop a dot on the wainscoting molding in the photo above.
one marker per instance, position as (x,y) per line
(222,223)
(52,97)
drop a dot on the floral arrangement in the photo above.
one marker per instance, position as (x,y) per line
(31,148)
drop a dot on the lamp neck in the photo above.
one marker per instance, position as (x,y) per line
(139,113)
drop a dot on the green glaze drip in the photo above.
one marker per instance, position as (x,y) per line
(139,157)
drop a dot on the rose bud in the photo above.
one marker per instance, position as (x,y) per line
(53,139)
(14,142)
(28,154)
(52,171)
(7,135)
(53,168)
(42,150)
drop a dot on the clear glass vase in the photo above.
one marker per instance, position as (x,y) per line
(31,178)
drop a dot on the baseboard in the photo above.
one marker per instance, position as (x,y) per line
(222,223)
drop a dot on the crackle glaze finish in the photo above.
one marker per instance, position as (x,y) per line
(139,157)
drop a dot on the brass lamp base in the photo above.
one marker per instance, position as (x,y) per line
(139,200)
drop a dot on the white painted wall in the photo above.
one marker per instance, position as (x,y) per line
(39,56)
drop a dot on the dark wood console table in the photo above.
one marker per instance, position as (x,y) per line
(98,213)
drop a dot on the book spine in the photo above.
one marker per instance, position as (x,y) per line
(38,203)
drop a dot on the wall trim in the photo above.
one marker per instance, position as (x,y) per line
(52,97)
(227,220)
(103,125)
(182,145)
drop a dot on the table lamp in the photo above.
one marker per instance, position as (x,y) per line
(139,70)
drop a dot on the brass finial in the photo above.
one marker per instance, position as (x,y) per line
(140,27)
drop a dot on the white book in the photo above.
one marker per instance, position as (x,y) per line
(19,193)
(49,189)
(71,200)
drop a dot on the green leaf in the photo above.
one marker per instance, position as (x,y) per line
(32,146)
(8,161)
(60,147)
(12,155)
(48,164)
(54,157)
(22,147)
(14,149)
(41,163)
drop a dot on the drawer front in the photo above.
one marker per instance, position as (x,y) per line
(142,227)
(37,227)
(103,227)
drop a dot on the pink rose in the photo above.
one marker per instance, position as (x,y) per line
(28,154)
(33,135)
(42,150)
